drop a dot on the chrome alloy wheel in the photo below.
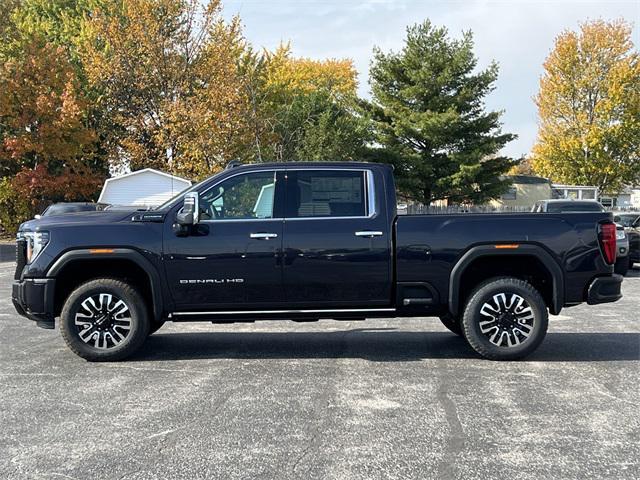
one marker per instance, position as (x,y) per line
(103,321)
(506,320)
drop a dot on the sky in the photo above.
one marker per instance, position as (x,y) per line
(518,34)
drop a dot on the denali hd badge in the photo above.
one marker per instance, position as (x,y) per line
(213,280)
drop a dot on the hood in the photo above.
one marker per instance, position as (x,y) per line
(83,218)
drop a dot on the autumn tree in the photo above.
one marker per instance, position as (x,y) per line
(302,109)
(430,121)
(522,167)
(41,111)
(45,144)
(169,75)
(60,22)
(589,108)
(8,30)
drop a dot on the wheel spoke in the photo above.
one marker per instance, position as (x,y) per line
(507,320)
(103,321)
(86,334)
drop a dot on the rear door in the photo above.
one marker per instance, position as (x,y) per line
(337,244)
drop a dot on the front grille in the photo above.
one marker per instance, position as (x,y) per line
(21,257)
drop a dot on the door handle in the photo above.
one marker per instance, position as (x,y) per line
(368,233)
(263,236)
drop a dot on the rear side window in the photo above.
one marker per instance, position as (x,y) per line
(326,193)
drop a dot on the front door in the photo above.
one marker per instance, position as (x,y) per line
(231,259)
(337,245)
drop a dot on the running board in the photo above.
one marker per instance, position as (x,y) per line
(282,312)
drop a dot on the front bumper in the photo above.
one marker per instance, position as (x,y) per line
(33,298)
(605,289)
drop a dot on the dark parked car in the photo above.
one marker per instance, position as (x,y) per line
(70,207)
(623,262)
(567,206)
(628,219)
(634,246)
(631,223)
(305,241)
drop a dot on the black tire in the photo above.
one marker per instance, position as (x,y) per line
(154,327)
(452,324)
(622,266)
(508,333)
(115,318)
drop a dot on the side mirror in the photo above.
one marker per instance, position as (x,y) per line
(188,215)
(190,212)
(37,217)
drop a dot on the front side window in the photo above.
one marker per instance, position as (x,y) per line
(247,196)
(326,193)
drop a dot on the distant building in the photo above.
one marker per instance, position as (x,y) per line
(576,192)
(635,198)
(627,199)
(524,192)
(143,188)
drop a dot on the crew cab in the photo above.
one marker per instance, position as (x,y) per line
(307,241)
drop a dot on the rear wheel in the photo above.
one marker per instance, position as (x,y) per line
(452,323)
(104,320)
(505,319)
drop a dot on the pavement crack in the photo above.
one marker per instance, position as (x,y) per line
(457,438)
(312,444)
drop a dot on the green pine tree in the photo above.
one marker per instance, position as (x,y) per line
(430,120)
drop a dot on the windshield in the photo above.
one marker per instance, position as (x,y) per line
(628,220)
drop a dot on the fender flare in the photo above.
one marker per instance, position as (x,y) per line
(530,250)
(116,253)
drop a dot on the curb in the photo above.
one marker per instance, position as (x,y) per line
(7,252)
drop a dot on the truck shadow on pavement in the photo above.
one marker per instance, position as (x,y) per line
(633,273)
(377,345)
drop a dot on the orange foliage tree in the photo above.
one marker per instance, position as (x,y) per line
(44,140)
(168,73)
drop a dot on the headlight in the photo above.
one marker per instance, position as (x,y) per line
(620,234)
(36,241)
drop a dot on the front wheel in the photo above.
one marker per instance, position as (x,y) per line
(505,319)
(104,320)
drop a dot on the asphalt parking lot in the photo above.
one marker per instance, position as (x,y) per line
(396,399)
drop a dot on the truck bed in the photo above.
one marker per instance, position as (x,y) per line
(435,244)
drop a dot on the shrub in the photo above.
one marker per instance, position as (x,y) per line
(14,208)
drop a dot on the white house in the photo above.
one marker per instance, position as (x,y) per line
(576,192)
(145,188)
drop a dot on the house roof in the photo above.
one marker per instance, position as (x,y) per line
(157,173)
(528,179)
(153,170)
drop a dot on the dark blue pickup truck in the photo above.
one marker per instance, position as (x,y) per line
(306,241)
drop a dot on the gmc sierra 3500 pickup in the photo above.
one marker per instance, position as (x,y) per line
(307,241)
